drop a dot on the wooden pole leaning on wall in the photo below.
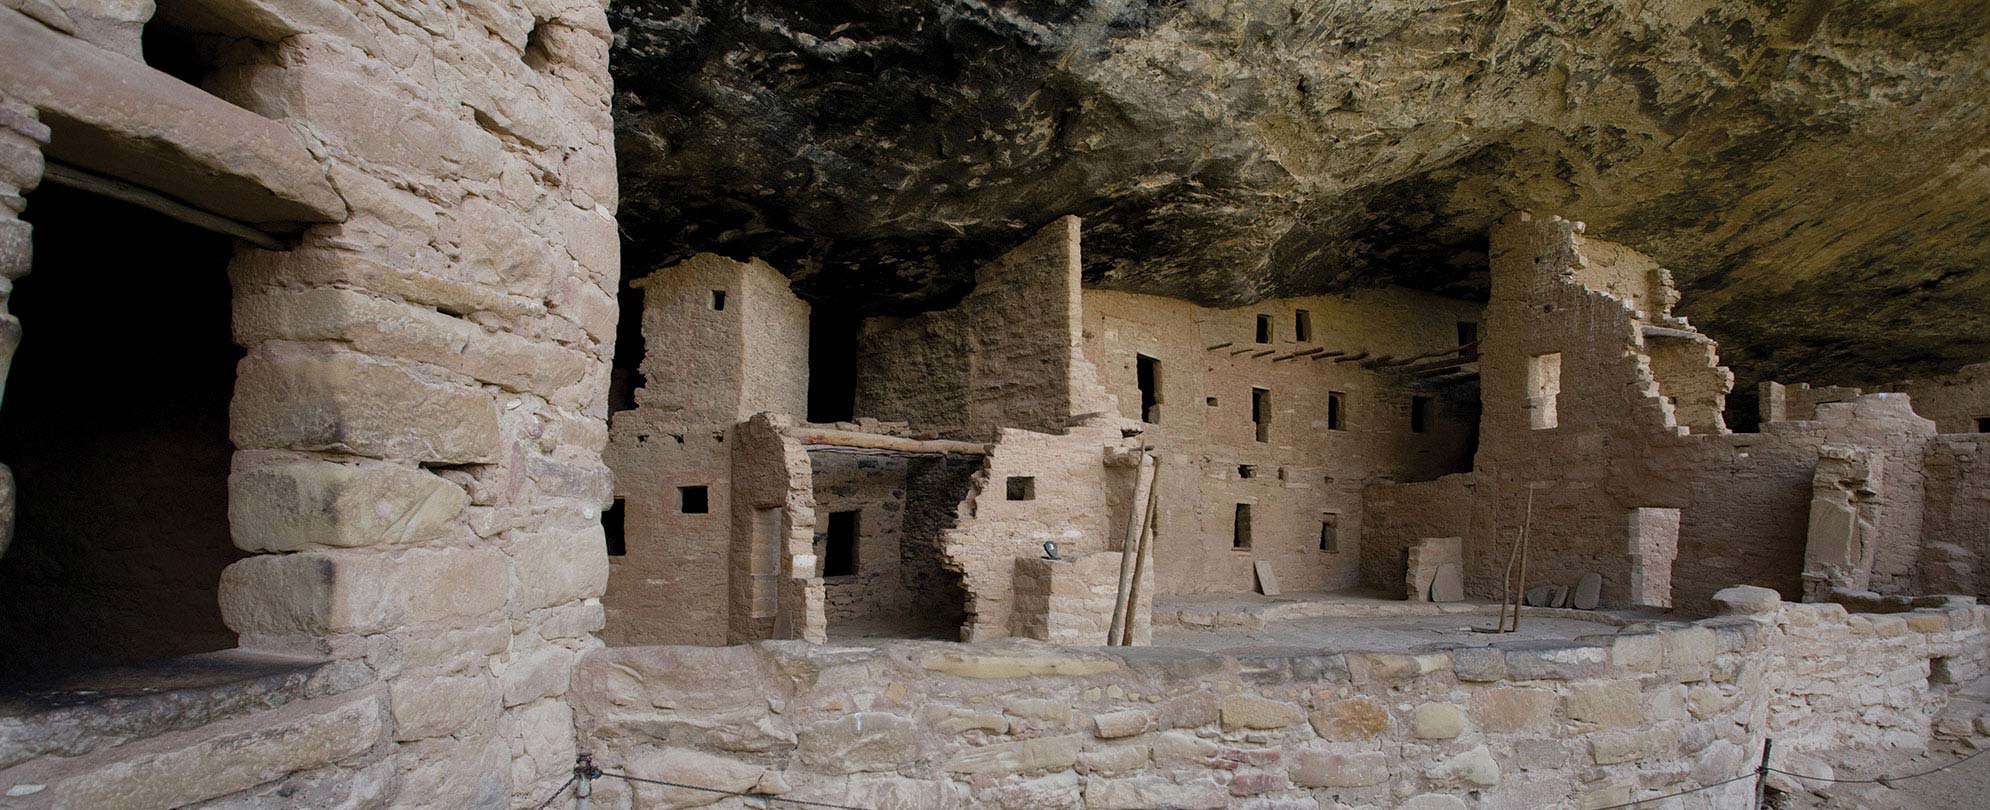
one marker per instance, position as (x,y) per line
(1136,524)
(1526,522)
(1143,560)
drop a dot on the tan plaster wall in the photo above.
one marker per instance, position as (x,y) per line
(1953,401)
(671,587)
(1305,470)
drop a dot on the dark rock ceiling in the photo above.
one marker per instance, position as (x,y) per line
(1815,173)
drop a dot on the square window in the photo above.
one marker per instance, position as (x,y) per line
(1247,471)
(693,500)
(1210,400)
(1022,488)
(1983,424)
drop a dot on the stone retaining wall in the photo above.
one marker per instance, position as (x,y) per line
(1592,722)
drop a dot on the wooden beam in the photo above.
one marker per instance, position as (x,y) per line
(1352,357)
(1223,345)
(831,438)
(1328,356)
(81,180)
(1439,365)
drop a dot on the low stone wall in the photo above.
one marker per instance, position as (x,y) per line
(1591,722)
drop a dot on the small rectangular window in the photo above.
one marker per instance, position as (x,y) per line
(693,500)
(1147,372)
(1468,332)
(1261,412)
(1210,400)
(1240,529)
(1336,410)
(1419,414)
(1247,471)
(718,300)
(1021,488)
(1302,326)
(1264,328)
(1983,424)
(1330,532)
(611,527)
(839,545)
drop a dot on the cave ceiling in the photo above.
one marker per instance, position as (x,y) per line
(1816,174)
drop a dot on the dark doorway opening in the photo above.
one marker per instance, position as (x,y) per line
(115,423)
(839,548)
(1148,372)
(832,365)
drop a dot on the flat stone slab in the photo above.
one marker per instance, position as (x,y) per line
(1588,591)
(1267,579)
(1448,585)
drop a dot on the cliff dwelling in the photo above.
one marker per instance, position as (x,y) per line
(1273,406)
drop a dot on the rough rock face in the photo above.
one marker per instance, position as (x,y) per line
(1817,175)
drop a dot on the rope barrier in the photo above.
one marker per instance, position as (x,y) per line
(556,793)
(1883,780)
(1748,775)
(586,769)
(761,796)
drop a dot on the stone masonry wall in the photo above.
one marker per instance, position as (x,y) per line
(1598,721)
(1955,526)
(1954,401)
(670,587)
(1005,357)
(874,487)
(1307,471)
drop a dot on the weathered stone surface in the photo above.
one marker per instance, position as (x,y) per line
(1124,723)
(1558,660)
(1437,721)
(218,762)
(1022,756)
(1588,591)
(360,592)
(350,403)
(1330,769)
(1350,719)
(115,116)
(1748,599)
(437,705)
(1610,704)
(862,741)
(1140,793)
(691,768)
(318,504)
(1250,711)
(1475,767)
(1506,709)
(1448,585)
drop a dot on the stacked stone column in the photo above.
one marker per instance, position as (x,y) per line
(421,413)
(21,139)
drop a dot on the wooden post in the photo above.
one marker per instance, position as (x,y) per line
(1143,561)
(1525,523)
(1136,523)
(1762,774)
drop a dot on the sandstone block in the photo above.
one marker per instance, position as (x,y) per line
(1747,600)
(1009,666)
(1115,759)
(1022,756)
(1552,660)
(1505,709)
(1127,723)
(1349,720)
(1141,793)
(1478,664)
(352,404)
(1333,769)
(1689,653)
(863,741)
(222,762)
(320,504)
(1610,704)
(432,706)
(321,592)
(557,567)
(1433,801)
(1588,592)
(691,768)
(1475,767)
(540,673)
(1437,721)
(1251,711)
